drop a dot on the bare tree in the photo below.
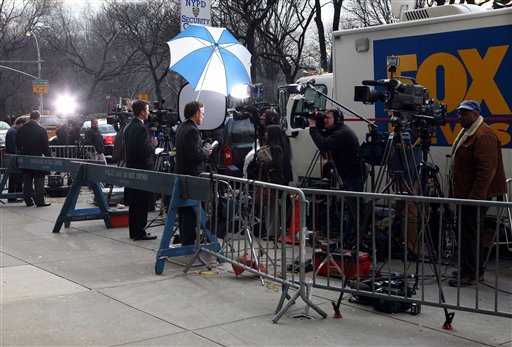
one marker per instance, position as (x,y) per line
(369,12)
(147,26)
(244,18)
(321,35)
(93,45)
(17,18)
(283,35)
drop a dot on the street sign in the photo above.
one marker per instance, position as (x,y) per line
(40,87)
(143,96)
(195,12)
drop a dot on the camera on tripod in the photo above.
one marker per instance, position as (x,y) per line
(119,118)
(410,109)
(160,117)
(408,102)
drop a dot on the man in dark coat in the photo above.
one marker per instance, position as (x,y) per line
(139,153)
(32,139)
(477,173)
(191,158)
(93,138)
(15,179)
(340,144)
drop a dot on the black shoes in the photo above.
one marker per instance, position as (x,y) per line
(44,204)
(147,236)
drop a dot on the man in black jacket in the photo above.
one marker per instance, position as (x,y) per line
(93,138)
(15,179)
(139,153)
(32,139)
(191,158)
(340,144)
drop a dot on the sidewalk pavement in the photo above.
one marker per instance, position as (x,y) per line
(93,286)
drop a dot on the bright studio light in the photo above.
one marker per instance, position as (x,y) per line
(65,104)
(240,91)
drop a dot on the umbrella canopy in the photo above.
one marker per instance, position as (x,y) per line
(210,59)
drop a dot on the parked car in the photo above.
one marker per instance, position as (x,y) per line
(236,139)
(108,133)
(3,131)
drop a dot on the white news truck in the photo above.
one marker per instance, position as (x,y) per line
(466,54)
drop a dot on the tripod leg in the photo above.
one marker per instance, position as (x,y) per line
(385,161)
(430,248)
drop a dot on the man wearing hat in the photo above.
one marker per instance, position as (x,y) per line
(477,173)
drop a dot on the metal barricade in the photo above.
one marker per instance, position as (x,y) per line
(73,152)
(398,252)
(253,220)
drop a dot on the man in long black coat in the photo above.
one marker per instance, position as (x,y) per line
(139,154)
(32,139)
(191,159)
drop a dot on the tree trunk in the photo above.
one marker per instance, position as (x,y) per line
(321,35)
(337,15)
(250,45)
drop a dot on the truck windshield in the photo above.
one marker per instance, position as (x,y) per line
(299,108)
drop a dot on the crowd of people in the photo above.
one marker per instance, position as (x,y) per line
(477,166)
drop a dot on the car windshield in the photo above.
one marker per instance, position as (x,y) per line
(106,128)
(50,121)
(4,126)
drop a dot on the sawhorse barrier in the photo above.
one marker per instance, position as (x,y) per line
(89,174)
(9,167)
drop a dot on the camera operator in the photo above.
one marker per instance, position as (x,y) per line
(32,139)
(340,144)
(191,159)
(139,151)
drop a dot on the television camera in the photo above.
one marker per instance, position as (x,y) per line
(410,109)
(408,103)
(160,117)
(310,111)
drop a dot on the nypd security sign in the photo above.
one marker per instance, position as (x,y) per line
(195,12)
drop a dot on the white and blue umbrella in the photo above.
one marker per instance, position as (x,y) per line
(210,59)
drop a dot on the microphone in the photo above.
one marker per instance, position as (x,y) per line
(373,83)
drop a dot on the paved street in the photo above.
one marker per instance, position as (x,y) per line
(92,286)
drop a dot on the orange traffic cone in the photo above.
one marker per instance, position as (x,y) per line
(294,228)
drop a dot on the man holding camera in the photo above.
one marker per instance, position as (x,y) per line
(139,152)
(191,159)
(477,173)
(340,144)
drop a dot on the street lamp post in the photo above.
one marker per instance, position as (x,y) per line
(31,33)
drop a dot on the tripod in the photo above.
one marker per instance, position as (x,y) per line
(335,180)
(164,162)
(408,178)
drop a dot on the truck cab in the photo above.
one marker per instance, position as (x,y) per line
(457,52)
(293,107)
